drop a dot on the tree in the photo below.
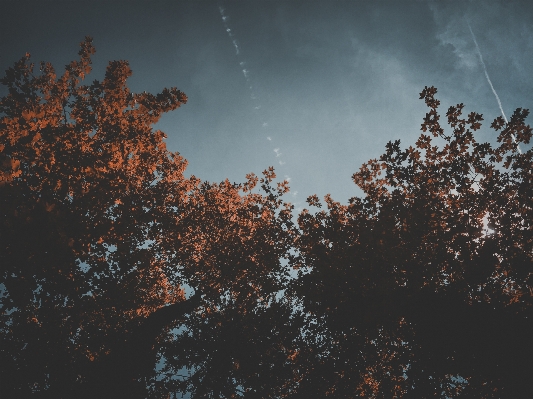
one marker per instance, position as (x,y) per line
(101,236)
(423,287)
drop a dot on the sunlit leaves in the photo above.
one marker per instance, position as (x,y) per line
(101,232)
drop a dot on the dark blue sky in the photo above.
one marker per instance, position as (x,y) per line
(314,88)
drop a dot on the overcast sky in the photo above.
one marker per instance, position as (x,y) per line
(314,88)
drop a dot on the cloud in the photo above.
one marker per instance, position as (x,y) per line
(454,36)
(504,32)
(268,137)
(278,154)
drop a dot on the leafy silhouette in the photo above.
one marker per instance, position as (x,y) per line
(102,234)
(410,294)
(112,261)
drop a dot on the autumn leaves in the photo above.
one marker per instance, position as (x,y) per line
(102,233)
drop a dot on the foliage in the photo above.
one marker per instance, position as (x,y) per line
(421,288)
(102,234)
(411,293)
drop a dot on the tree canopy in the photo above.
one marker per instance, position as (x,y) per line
(423,288)
(113,262)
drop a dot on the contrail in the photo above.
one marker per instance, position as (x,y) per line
(488,80)
(248,75)
(486,73)
(245,71)
(230,34)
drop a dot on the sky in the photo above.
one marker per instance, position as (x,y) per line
(313,88)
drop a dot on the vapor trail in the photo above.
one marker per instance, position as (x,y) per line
(248,77)
(242,63)
(486,73)
(488,80)
(230,34)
